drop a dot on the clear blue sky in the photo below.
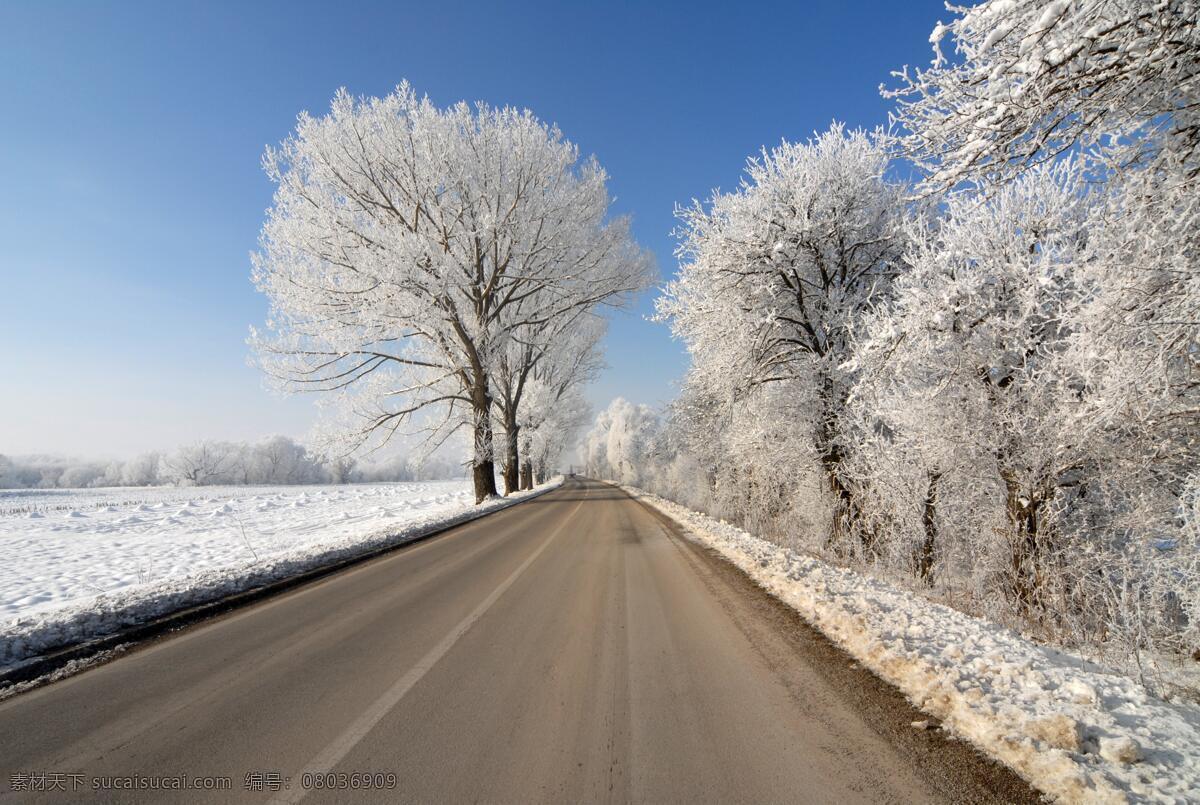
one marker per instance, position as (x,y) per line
(131,192)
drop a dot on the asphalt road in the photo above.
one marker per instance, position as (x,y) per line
(574,648)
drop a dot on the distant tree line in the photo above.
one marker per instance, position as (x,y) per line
(274,460)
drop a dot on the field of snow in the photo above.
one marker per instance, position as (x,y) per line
(82,563)
(1077,731)
(68,545)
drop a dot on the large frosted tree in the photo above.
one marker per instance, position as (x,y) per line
(408,246)
(969,397)
(540,399)
(774,276)
(1015,83)
(1115,84)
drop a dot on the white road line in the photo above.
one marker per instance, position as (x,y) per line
(332,754)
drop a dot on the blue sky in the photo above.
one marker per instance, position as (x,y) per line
(131,192)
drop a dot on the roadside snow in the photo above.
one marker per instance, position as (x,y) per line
(1075,730)
(82,564)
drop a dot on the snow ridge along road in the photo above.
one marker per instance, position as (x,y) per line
(573,648)
(1078,731)
(71,579)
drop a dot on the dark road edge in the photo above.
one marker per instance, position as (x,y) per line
(955,767)
(57,664)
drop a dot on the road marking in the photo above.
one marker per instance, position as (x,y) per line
(332,754)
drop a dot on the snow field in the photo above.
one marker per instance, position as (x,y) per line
(1075,730)
(87,564)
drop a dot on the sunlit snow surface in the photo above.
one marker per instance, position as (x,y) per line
(81,565)
(60,547)
(1077,731)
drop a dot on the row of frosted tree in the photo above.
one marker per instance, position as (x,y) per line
(984,380)
(438,273)
(273,460)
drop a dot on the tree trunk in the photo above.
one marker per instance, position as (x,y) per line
(512,460)
(849,520)
(847,517)
(484,466)
(1025,540)
(485,480)
(527,474)
(928,546)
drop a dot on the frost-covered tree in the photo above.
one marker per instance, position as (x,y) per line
(621,444)
(280,460)
(512,377)
(558,429)
(549,410)
(1137,349)
(142,470)
(1028,80)
(1113,84)
(273,460)
(79,476)
(774,276)
(408,245)
(1023,429)
(540,367)
(341,469)
(966,397)
(1139,341)
(198,464)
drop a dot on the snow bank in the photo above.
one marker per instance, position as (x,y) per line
(1075,730)
(77,572)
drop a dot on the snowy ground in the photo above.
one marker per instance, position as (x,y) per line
(81,563)
(1075,730)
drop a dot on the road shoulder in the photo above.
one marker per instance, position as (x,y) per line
(792,648)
